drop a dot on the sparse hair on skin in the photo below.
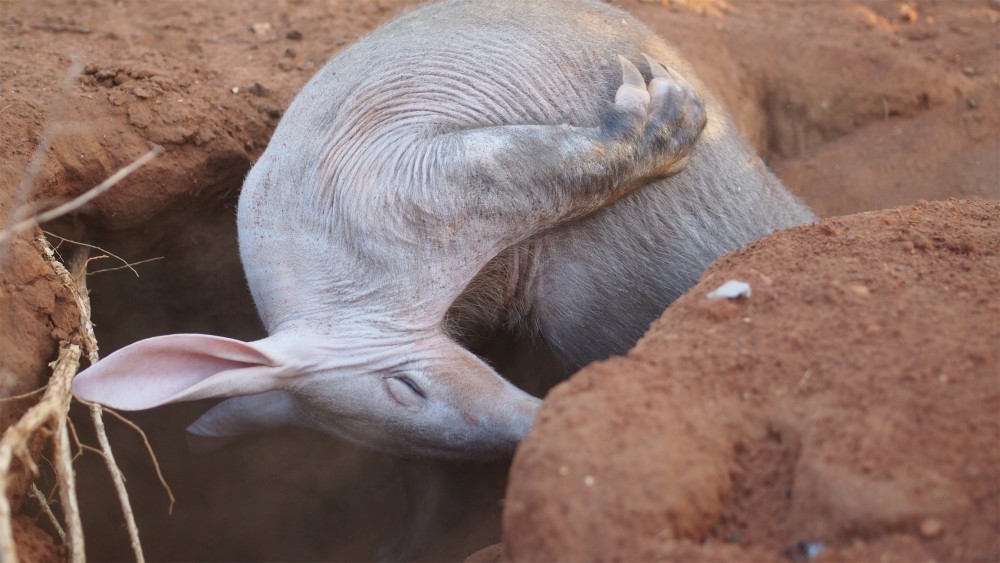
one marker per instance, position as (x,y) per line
(551,167)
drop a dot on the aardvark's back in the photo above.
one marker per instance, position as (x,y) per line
(345,143)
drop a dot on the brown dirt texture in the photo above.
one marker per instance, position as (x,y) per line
(857,406)
(853,396)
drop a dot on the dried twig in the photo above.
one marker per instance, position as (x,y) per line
(78,266)
(22,395)
(72,282)
(60,27)
(128,265)
(53,406)
(93,450)
(76,439)
(64,469)
(119,480)
(152,456)
(80,200)
(41,150)
(83,289)
(43,502)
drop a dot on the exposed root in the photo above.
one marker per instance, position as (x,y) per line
(43,502)
(22,395)
(119,480)
(65,476)
(152,457)
(85,245)
(52,408)
(50,417)
(78,287)
(76,440)
(129,265)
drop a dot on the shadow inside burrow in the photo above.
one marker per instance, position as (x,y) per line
(286,495)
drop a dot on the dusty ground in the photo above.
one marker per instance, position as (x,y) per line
(853,399)
(857,105)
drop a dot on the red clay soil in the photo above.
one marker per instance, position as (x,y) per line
(852,400)
(34,545)
(36,312)
(858,105)
(903,436)
(913,91)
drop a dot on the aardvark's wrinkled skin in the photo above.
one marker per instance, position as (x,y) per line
(514,134)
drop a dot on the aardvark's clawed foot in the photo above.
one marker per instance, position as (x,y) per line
(666,116)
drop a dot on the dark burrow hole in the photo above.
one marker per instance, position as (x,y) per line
(286,495)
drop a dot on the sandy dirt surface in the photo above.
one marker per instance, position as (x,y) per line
(853,398)
(858,105)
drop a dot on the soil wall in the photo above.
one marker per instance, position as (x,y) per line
(858,105)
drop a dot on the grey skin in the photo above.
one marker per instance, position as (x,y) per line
(469,163)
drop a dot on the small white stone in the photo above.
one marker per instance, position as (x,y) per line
(262,28)
(732,289)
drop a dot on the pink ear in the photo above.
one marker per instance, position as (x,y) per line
(177,367)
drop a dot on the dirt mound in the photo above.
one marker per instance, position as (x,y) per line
(208,82)
(852,400)
(858,105)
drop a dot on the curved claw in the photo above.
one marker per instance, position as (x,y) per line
(630,74)
(663,78)
(658,70)
(632,95)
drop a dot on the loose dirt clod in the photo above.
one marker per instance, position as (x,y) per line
(931,528)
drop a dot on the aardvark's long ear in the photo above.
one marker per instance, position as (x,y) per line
(178,367)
